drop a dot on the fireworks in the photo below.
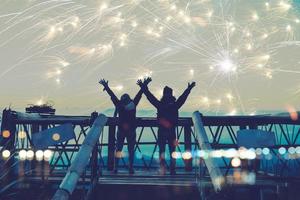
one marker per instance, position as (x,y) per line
(219,44)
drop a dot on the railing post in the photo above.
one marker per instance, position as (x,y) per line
(111,147)
(188,147)
(94,157)
(213,168)
(81,160)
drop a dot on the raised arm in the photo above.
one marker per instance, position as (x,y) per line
(144,86)
(138,97)
(106,88)
(181,100)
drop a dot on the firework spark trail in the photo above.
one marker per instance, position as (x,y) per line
(227,44)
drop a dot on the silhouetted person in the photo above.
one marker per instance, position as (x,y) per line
(126,108)
(167,116)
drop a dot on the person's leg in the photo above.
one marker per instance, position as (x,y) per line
(119,147)
(172,147)
(162,147)
(131,140)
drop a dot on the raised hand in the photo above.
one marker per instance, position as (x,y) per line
(147,80)
(144,83)
(104,83)
(139,82)
(191,85)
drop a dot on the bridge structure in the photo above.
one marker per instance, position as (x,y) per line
(276,167)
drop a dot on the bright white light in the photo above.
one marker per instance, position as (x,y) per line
(285,6)
(187,19)
(21,134)
(255,17)
(266,57)
(64,63)
(173,7)
(134,24)
(209,13)
(229,96)
(5,154)
(58,72)
(192,72)
(282,150)
(265,35)
(40,102)
(227,65)
(266,151)
(292,150)
(187,155)
(202,154)
(47,154)
(269,75)
(218,101)
(230,153)
(235,162)
(249,46)
(298,149)
(39,155)
(22,154)
(119,87)
(29,155)
(103,6)
(250,154)
(217,153)
(176,155)
(168,18)
(258,151)
(232,112)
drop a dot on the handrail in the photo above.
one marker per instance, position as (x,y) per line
(80,162)
(213,169)
(24,118)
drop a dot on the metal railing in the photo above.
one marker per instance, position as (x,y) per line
(221,132)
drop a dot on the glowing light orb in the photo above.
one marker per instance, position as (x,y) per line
(5,154)
(22,154)
(48,154)
(22,134)
(192,72)
(39,154)
(292,150)
(235,162)
(282,150)
(29,155)
(6,134)
(250,154)
(266,151)
(187,155)
(176,155)
(56,136)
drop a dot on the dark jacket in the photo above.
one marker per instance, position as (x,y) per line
(127,118)
(167,111)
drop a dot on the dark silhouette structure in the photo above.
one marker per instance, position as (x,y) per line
(126,108)
(167,116)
